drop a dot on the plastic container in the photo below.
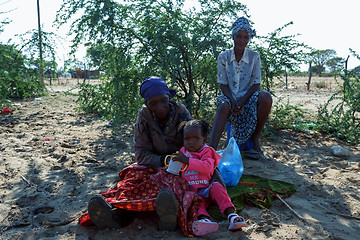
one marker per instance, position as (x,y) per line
(231,165)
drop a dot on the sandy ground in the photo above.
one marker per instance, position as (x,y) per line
(54,158)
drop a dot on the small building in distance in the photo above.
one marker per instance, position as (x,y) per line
(85,74)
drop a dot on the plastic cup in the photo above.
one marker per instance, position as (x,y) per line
(174,167)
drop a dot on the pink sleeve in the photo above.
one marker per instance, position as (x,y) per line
(207,162)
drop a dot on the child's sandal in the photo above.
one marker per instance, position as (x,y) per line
(204,226)
(235,225)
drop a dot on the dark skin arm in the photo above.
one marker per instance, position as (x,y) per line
(237,106)
(179,156)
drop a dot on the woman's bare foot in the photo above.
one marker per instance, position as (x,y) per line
(256,144)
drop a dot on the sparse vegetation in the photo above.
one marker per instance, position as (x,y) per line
(285,115)
(17,80)
(343,119)
(319,84)
(183,54)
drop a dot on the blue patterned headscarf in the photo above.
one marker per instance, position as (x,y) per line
(243,24)
(153,86)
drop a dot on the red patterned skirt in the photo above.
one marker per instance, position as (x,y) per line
(137,191)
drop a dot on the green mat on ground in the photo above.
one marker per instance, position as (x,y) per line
(255,191)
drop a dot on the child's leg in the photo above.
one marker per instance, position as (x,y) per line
(222,112)
(204,204)
(236,222)
(219,195)
(204,225)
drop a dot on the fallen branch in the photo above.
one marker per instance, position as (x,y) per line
(55,224)
(288,206)
(16,225)
(345,216)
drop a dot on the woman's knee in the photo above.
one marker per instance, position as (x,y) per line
(265,98)
(223,108)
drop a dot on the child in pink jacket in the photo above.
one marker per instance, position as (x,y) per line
(202,161)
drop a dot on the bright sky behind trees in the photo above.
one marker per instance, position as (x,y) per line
(323,24)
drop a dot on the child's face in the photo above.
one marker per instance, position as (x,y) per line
(193,139)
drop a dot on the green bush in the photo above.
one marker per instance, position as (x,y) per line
(16,80)
(116,100)
(340,116)
(285,115)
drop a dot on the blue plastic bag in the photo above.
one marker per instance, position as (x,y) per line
(231,165)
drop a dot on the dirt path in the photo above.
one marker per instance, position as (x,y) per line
(67,157)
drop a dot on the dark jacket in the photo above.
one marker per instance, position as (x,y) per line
(151,142)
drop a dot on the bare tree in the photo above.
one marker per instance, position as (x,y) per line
(40,43)
(346,65)
(310,75)
(2,3)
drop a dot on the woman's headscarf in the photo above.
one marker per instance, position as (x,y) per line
(153,86)
(243,24)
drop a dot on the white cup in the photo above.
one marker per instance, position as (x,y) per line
(174,167)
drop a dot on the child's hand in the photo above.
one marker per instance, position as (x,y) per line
(181,158)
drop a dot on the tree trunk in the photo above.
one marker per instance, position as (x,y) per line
(40,43)
(345,83)
(346,65)
(310,74)
(319,70)
(85,73)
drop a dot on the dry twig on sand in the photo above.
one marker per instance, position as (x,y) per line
(288,206)
(342,215)
(23,178)
(55,224)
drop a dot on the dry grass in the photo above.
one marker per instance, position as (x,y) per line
(71,82)
(300,83)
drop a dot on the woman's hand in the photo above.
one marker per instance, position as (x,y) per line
(241,102)
(181,158)
(236,106)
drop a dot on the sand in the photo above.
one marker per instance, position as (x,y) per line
(54,158)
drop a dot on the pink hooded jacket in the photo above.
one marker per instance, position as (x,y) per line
(201,167)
